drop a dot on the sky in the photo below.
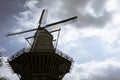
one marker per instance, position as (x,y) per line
(93,41)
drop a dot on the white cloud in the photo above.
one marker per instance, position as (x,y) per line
(6,71)
(104,70)
(29,18)
(93,16)
(30,4)
(69,34)
(116,19)
(111,5)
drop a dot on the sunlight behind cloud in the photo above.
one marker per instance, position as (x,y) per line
(116,19)
(111,5)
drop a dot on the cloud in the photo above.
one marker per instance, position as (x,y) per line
(6,71)
(90,43)
(10,8)
(27,18)
(91,15)
(104,70)
(89,12)
(21,18)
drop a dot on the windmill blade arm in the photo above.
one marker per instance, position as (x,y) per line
(55,30)
(29,37)
(43,17)
(11,34)
(63,21)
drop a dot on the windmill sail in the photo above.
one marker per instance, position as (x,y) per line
(60,23)
(43,17)
(11,34)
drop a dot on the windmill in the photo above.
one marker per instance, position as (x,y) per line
(40,29)
(42,62)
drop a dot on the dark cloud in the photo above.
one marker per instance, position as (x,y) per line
(89,20)
(98,17)
(9,8)
(104,70)
(58,9)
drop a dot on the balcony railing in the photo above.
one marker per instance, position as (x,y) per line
(26,50)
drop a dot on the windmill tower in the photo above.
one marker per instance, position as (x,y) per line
(42,61)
